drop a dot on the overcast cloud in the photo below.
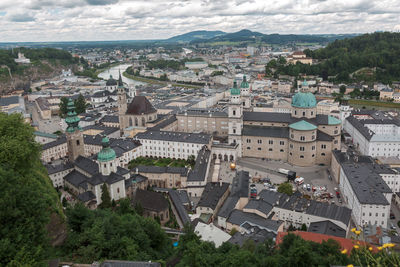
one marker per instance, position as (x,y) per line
(75,20)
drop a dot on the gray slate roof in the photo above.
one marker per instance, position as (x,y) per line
(87,165)
(198,173)
(228,206)
(368,186)
(239,217)
(157,169)
(212,193)
(179,205)
(265,131)
(327,228)
(240,184)
(86,196)
(61,140)
(175,137)
(260,205)
(51,169)
(150,200)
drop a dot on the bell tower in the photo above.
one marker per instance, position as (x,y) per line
(73,133)
(235,118)
(122,103)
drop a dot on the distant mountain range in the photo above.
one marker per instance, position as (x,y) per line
(247,36)
(195,35)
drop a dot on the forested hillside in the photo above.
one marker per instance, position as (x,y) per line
(45,62)
(368,58)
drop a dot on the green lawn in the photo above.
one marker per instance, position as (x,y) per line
(160,162)
(374,103)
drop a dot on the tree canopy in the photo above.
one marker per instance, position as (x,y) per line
(368,58)
(285,188)
(27,200)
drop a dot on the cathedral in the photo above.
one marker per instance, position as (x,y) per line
(137,114)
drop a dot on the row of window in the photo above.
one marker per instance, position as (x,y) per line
(269,149)
(270,142)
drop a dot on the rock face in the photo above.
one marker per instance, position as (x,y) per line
(57,230)
(32,73)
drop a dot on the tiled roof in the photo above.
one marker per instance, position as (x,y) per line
(140,105)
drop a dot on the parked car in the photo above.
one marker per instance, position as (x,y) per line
(308,187)
(392,226)
(392,217)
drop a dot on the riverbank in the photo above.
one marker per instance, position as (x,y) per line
(154,81)
(363,102)
(97,72)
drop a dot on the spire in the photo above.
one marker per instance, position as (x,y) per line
(235,90)
(120,83)
(244,83)
(72,119)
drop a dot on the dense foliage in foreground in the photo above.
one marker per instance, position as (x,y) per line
(27,200)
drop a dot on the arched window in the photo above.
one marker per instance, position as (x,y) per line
(130,122)
(143,122)
(136,122)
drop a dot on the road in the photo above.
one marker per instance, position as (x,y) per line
(46,126)
(313,175)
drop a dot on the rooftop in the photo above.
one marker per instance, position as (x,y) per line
(212,194)
(175,137)
(151,200)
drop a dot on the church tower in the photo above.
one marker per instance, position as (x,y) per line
(122,103)
(245,93)
(73,133)
(106,158)
(235,118)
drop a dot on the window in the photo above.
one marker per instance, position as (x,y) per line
(301,156)
(259,141)
(335,132)
(291,146)
(248,141)
(295,112)
(322,154)
(259,148)
(313,148)
(304,113)
(118,190)
(234,131)
(77,142)
(312,112)
(313,137)
(302,138)
(271,142)
(282,143)
(335,142)
(281,150)
(302,148)
(312,155)
(323,146)
(234,112)
(270,149)
(248,147)
(291,136)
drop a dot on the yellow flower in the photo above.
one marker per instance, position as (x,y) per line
(353,229)
(358,232)
(370,248)
(356,246)
(350,265)
(358,242)
(344,251)
(379,248)
(390,245)
(386,245)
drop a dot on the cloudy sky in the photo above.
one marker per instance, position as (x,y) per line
(84,20)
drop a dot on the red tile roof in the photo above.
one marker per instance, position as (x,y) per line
(345,243)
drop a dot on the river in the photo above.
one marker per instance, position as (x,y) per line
(114,71)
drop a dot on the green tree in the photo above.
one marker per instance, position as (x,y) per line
(63,106)
(285,188)
(105,197)
(342,89)
(28,199)
(80,104)
(303,227)
(139,209)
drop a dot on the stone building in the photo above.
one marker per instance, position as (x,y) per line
(135,115)
(154,205)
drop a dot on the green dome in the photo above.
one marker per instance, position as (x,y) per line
(303,126)
(235,90)
(244,83)
(333,121)
(304,100)
(107,153)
